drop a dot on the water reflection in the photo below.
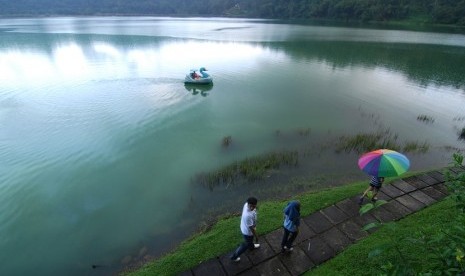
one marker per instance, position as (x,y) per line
(34,58)
(104,120)
(420,63)
(199,88)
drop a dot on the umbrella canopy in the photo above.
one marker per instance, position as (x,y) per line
(384,163)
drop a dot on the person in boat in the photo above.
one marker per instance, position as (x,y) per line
(194,75)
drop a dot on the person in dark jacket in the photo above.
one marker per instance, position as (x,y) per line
(291,225)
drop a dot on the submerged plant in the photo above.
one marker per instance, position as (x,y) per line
(304,131)
(425,118)
(226,141)
(250,169)
(462,134)
(416,147)
(384,139)
(364,142)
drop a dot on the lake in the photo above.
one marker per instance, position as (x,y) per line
(101,143)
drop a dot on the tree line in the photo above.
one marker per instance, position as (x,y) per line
(433,11)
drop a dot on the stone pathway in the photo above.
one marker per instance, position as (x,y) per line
(329,231)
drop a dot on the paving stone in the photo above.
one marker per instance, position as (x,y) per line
(448,171)
(260,254)
(334,214)
(442,188)
(296,262)
(364,220)
(428,179)
(422,197)
(352,230)
(392,191)
(404,186)
(250,272)
(318,222)
(383,196)
(210,267)
(416,182)
(272,267)
(305,233)
(383,214)
(458,170)
(410,202)
(454,171)
(336,239)
(398,210)
(274,239)
(318,250)
(437,175)
(349,206)
(233,268)
(432,192)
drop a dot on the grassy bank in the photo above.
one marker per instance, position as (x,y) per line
(355,261)
(224,236)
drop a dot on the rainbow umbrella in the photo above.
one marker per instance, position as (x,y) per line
(384,163)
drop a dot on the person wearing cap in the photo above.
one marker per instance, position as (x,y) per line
(248,228)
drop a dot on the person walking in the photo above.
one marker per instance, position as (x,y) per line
(375,186)
(290,225)
(248,228)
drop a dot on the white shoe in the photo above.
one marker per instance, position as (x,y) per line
(236,259)
(288,249)
(256,245)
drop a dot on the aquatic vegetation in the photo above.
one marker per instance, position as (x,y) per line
(383,139)
(304,131)
(425,118)
(364,142)
(416,147)
(462,133)
(250,169)
(226,141)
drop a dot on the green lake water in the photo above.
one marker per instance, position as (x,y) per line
(101,141)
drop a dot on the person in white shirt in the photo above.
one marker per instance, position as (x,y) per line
(248,228)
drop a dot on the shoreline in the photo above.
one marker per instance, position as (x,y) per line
(403,24)
(329,196)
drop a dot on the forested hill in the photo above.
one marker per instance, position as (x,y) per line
(428,11)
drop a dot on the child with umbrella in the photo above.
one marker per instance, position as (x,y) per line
(375,185)
(379,164)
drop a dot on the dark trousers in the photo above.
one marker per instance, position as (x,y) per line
(247,244)
(288,238)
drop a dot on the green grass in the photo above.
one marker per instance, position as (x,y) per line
(224,236)
(355,261)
